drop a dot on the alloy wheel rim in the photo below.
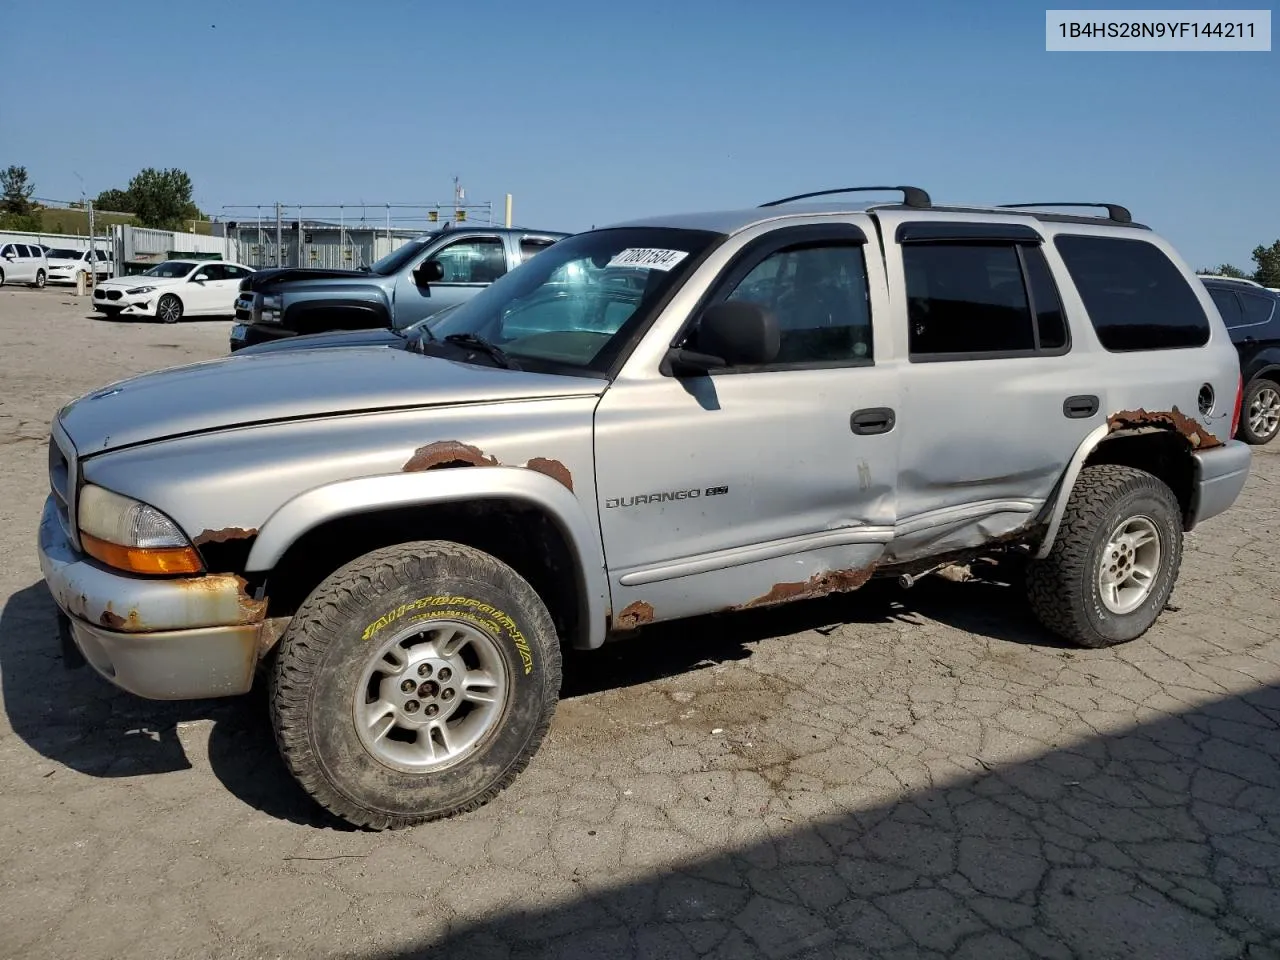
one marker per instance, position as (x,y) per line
(1264,412)
(430,696)
(1130,565)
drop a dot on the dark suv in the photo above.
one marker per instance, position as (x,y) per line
(1252,315)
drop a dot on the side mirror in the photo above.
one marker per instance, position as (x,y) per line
(733,334)
(199,280)
(429,272)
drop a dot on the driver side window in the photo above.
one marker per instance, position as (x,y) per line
(474,260)
(818,293)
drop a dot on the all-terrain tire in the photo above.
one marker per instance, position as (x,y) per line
(1064,587)
(412,590)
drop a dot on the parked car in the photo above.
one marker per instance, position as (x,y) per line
(645,422)
(403,339)
(1252,315)
(66,264)
(174,289)
(409,284)
(23,263)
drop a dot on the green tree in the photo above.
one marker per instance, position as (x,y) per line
(117,201)
(1268,261)
(1225,270)
(161,198)
(17,189)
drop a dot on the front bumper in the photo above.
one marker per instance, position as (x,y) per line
(165,639)
(251,334)
(1220,475)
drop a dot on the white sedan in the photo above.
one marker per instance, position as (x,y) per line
(65,264)
(173,290)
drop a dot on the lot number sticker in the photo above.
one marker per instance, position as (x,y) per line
(648,257)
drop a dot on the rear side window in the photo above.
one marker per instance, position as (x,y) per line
(1257,308)
(970,300)
(1227,305)
(1136,298)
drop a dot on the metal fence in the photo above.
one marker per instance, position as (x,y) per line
(336,236)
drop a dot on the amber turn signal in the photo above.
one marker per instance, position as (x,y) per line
(148,560)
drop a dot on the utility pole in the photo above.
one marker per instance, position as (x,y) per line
(279,237)
(93,248)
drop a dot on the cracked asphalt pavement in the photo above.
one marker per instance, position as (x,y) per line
(892,773)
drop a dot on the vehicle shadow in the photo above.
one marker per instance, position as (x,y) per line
(1159,840)
(75,718)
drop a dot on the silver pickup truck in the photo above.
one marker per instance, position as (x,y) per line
(665,418)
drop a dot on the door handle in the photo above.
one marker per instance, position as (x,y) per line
(1078,408)
(871,421)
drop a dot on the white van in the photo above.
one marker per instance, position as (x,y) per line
(23,263)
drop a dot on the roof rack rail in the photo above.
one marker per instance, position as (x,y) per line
(911,196)
(1114,211)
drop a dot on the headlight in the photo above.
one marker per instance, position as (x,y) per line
(138,290)
(271,308)
(132,536)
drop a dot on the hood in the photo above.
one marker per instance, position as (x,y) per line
(290,385)
(264,279)
(374,337)
(138,280)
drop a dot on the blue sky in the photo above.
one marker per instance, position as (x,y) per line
(591,112)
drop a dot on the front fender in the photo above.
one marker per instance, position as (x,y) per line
(347,498)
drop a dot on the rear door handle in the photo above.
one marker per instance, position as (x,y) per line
(1078,408)
(871,421)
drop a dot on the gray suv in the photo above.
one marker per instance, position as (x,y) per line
(412,283)
(655,420)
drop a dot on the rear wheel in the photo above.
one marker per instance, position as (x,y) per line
(1115,560)
(40,279)
(1,278)
(414,683)
(169,309)
(1260,412)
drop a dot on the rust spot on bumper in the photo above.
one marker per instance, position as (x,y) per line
(447,453)
(1175,420)
(225,535)
(819,585)
(113,621)
(553,469)
(635,614)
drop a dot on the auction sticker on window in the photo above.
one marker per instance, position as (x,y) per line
(648,257)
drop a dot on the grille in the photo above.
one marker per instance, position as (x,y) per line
(62,479)
(114,294)
(99,294)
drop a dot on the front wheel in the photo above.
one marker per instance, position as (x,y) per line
(169,309)
(1115,560)
(40,280)
(1260,412)
(414,683)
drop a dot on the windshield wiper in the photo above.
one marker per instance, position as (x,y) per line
(484,346)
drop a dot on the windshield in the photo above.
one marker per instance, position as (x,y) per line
(573,307)
(170,269)
(398,257)
(63,254)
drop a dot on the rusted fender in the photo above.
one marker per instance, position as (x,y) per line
(443,454)
(1174,420)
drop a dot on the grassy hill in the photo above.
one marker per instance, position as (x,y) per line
(76,222)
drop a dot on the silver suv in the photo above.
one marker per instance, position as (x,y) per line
(650,421)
